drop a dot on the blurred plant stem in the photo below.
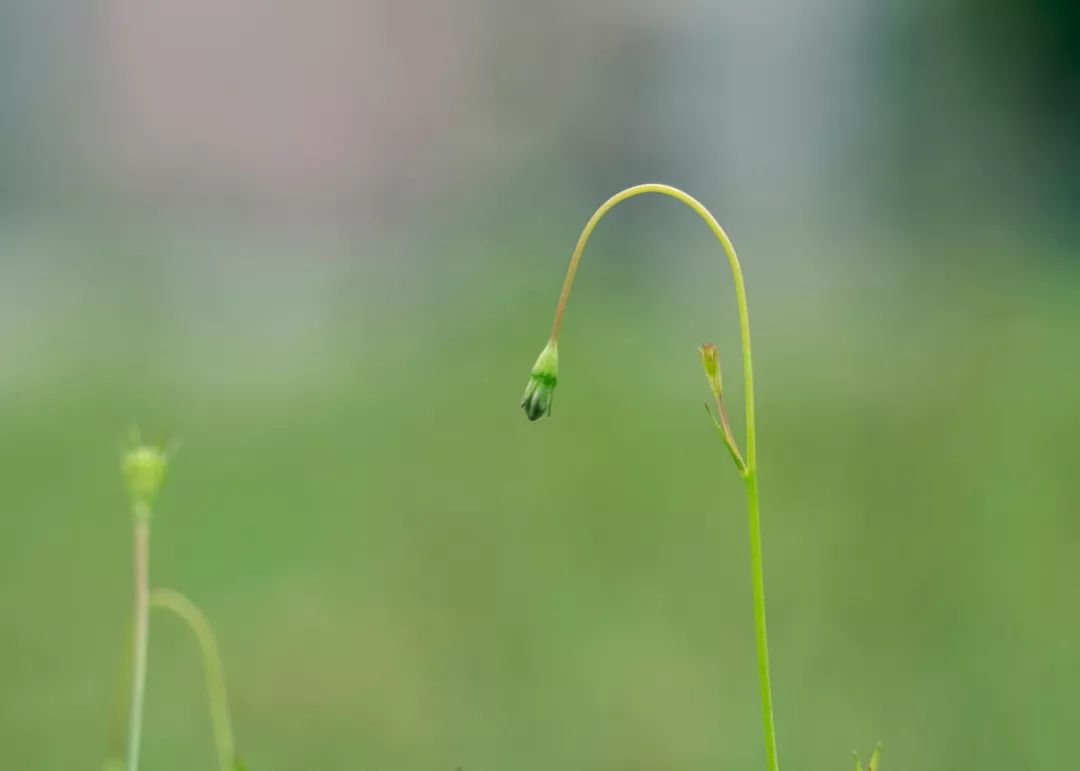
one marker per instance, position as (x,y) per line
(141,633)
(214,670)
(747,469)
(212,667)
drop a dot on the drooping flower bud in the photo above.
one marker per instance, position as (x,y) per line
(144,468)
(545,374)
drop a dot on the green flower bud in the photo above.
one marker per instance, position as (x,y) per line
(545,374)
(144,469)
(710,361)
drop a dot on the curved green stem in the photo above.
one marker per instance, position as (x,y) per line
(141,636)
(749,471)
(212,666)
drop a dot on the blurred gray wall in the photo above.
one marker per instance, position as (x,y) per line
(368,110)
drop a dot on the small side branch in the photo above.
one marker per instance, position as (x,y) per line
(215,672)
(723,427)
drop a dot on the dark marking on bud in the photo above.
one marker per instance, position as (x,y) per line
(542,380)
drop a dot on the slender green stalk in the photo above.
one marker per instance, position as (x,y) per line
(141,635)
(757,571)
(215,673)
(748,469)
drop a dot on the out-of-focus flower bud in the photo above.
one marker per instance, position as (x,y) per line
(144,469)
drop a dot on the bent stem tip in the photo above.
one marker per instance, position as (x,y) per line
(213,668)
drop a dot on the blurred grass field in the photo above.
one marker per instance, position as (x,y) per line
(406,574)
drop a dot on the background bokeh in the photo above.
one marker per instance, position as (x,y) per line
(320,242)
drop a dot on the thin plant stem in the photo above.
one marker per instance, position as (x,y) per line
(215,673)
(141,634)
(757,571)
(749,471)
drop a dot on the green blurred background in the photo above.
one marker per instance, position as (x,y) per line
(321,243)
